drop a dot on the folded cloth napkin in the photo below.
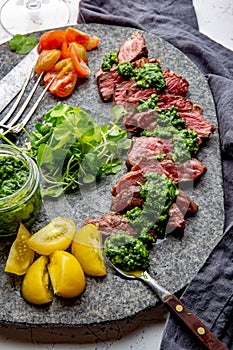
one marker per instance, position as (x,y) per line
(210,293)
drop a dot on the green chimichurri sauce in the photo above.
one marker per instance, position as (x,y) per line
(109,59)
(13,175)
(159,193)
(127,252)
(150,75)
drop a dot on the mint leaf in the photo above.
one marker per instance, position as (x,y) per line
(22,44)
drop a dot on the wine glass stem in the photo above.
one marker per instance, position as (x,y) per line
(33,4)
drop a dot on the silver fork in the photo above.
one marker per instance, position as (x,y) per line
(175,306)
(12,125)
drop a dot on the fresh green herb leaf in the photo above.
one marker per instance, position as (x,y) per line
(23,44)
(70,148)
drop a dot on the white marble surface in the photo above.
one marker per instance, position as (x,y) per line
(215,18)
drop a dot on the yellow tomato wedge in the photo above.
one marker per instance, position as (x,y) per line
(56,235)
(86,247)
(66,274)
(46,60)
(35,286)
(20,256)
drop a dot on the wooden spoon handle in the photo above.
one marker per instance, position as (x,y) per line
(175,306)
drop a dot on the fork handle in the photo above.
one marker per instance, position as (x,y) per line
(175,306)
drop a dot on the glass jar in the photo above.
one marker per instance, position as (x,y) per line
(23,205)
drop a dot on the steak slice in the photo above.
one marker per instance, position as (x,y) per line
(127,199)
(190,170)
(106,81)
(145,147)
(132,178)
(176,222)
(133,48)
(131,93)
(176,84)
(182,103)
(111,223)
(137,122)
(185,204)
(196,121)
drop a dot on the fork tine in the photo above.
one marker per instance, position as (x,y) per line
(28,99)
(17,101)
(18,128)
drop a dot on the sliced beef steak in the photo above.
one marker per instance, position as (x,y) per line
(144,147)
(197,122)
(106,81)
(182,103)
(132,178)
(176,84)
(111,223)
(190,170)
(137,122)
(176,222)
(131,93)
(133,48)
(126,200)
(185,204)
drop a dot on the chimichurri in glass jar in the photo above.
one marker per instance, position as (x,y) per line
(13,175)
(20,197)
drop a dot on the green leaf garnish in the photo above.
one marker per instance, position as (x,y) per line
(23,44)
(71,149)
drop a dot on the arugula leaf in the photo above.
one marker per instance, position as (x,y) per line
(23,44)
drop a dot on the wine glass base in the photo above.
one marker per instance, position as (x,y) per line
(17,18)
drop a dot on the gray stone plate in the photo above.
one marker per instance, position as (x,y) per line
(173,262)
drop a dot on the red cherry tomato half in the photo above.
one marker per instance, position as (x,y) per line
(73,34)
(65,78)
(81,67)
(52,39)
(92,43)
(65,50)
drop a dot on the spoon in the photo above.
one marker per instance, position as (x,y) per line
(175,306)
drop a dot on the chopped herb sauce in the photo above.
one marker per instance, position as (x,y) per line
(150,75)
(151,103)
(159,193)
(127,252)
(108,61)
(171,125)
(13,175)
